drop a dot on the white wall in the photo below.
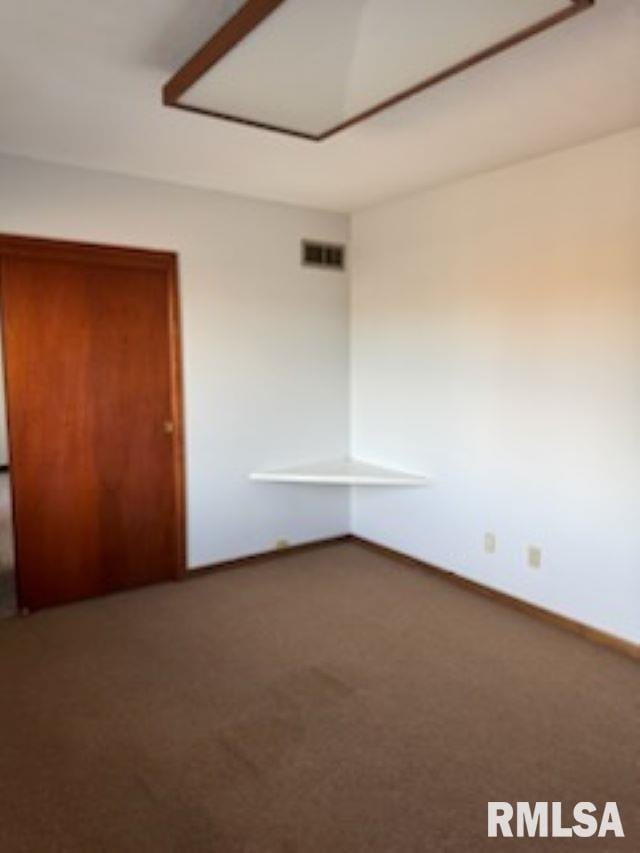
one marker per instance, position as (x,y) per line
(496,345)
(265,341)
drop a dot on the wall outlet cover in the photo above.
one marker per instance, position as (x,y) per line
(490,543)
(534,556)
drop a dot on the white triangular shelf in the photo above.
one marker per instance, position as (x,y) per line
(341,472)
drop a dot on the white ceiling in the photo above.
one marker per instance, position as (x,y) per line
(80,83)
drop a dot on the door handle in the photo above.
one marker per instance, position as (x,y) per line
(168,427)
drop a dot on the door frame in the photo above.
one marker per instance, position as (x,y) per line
(17,245)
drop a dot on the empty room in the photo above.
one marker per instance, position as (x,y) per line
(319,426)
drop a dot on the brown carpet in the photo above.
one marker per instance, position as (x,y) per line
(327,701)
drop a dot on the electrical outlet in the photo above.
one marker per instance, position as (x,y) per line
(490,543)
(534,556)
(281,544)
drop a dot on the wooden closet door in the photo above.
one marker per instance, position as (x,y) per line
(91,362)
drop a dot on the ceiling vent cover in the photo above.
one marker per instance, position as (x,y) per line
(327,255)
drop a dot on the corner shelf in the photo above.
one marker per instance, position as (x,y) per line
(341,472)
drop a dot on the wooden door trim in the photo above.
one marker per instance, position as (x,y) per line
(177,414)
(18,245)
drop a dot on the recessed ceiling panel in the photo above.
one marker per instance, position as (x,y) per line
(313,67)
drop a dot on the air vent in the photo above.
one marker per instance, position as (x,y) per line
(328,255)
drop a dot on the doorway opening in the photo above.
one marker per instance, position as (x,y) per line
(8,600)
